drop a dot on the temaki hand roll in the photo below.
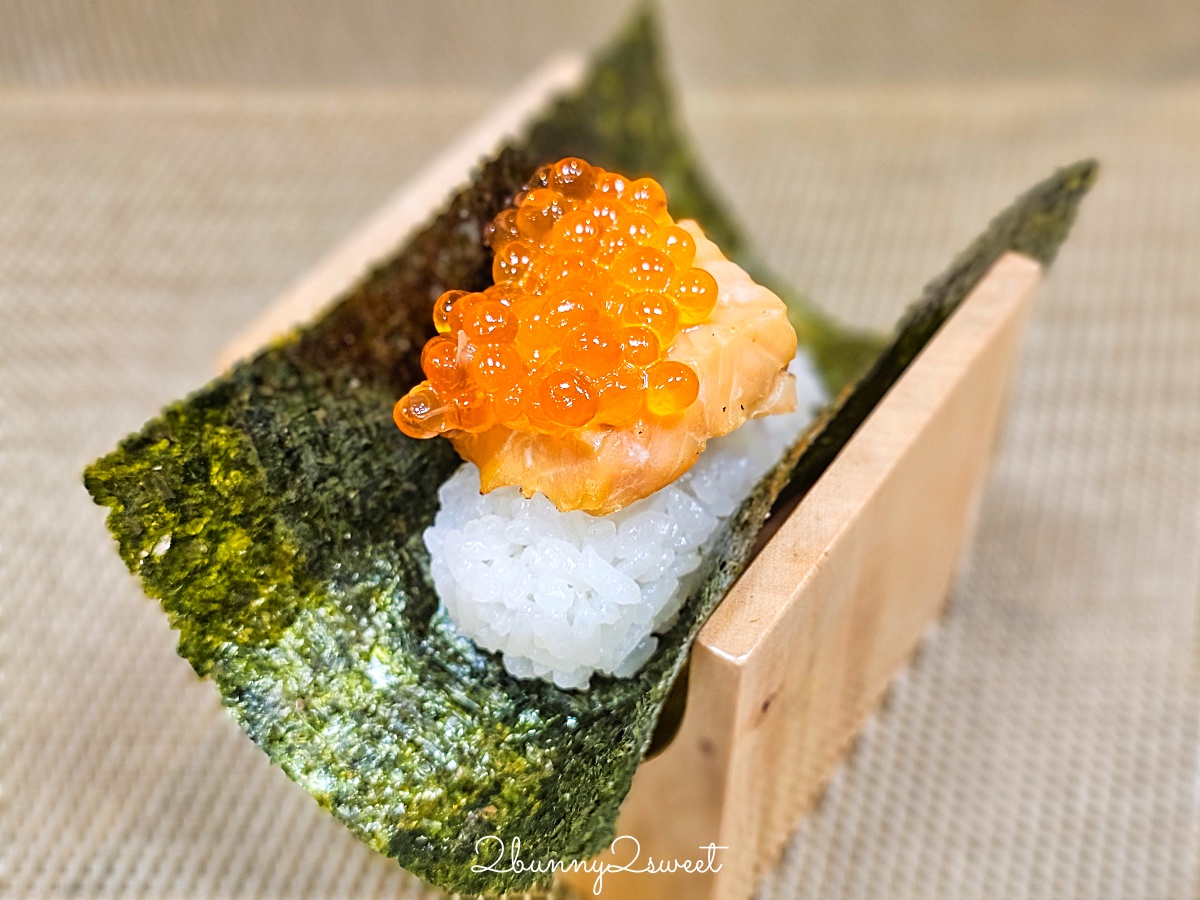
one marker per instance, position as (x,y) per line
(285,523)
(583,387)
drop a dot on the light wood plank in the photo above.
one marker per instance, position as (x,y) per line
(408,210)
(801,651)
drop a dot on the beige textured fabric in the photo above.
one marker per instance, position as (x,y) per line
(753,42)
(1046,742)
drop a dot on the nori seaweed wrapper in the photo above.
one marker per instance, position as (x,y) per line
(277,515)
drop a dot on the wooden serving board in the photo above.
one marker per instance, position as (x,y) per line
(406,211)
(803,648)
(801,651)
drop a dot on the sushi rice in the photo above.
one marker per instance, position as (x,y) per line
(563,595)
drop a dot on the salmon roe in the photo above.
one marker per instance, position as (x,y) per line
(592,282)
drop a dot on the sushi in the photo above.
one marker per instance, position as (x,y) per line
(613,344)
(582,388)
(280,518)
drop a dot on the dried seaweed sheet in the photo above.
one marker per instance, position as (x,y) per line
(277,515)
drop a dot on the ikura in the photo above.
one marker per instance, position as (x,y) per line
(593,280)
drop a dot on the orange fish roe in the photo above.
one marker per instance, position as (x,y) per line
(593,282)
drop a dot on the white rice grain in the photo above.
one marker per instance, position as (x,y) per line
(563,595)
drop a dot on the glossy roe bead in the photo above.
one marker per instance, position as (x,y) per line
(503,229)
(439,362)
(593,350)
(628,230)
(695,294)
(473,410)
(621,395)
(441,310)
(572,177)
(511,264)
(671,387)
(677,244)
(539,211)
(647,196)
(496,367)
(489,321)
(639,345)
(653,311)
(577,231)
(611,185)
(421,413)
(643,269)
(567,397)
(565,312)
(507,404)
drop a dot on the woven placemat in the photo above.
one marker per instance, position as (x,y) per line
(1045,742)
(483,43)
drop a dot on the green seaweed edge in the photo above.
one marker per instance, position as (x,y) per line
(277,515)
